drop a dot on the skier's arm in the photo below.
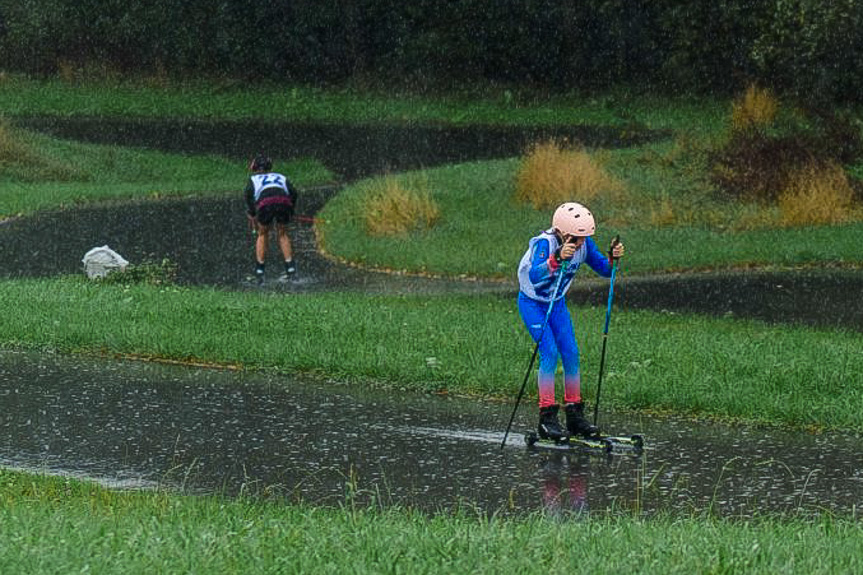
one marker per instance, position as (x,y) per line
(543,264)
(249,196)
(292,192)
(597,260)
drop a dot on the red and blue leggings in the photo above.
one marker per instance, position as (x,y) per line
(558,342)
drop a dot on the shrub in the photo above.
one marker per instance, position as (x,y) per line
(755,110)
(13,151)
(23,161)
(816,196)
(393,209)
(149,272)
(551,174)
(757,163)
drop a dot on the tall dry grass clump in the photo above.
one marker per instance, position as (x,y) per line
(816,195)
(12,150)
(393,209)
(756,109)
(551,174)
(26,162)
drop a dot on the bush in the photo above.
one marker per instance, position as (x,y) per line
(816,196)
(769,148)
(551,174)
(393,209)
(756,110)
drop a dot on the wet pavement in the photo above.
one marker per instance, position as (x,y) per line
(207,238)
(209,241)
(350,151)
(141,424)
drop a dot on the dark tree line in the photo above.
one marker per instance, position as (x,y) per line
(808,47)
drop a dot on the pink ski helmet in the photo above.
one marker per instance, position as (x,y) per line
(572,219)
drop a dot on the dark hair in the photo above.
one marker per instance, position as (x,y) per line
(261,163)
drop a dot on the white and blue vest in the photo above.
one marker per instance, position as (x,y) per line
(263,182)
(541,289)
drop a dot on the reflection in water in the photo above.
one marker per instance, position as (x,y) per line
(565,478)
(216,431)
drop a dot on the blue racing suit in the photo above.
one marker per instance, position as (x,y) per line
(538,273)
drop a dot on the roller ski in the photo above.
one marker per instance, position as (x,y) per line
(578,426)
(579,433)
(599,443)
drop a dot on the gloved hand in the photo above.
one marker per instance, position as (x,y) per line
(616,249)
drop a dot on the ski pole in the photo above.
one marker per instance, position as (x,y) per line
(614,243)
(535,351)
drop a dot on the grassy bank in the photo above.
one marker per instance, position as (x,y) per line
(724,368)
(55,525)
(21,96)
(483,231)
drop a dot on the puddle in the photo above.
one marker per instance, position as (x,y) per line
(226,432)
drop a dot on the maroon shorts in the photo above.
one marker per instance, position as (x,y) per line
(279,209)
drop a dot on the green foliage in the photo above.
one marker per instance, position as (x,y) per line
(813,49)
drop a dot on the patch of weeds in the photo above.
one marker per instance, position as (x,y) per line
(816,196)
(21,160)
(755,110)
(788,162)
(551,173)
(149,272)
(395,207)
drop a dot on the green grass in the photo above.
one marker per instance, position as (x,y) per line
(57,525)
(22,96)
(725,368)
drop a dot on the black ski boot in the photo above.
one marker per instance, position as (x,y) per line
(576,423)
(290,271)
(549,425)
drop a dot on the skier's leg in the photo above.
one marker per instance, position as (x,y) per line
(533,314)
(261,246)
(285,247)
(567,346)
(564,335)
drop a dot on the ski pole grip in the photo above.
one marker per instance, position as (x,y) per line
(614,243)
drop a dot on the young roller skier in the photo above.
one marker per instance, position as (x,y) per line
(568,241)
(270,198)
